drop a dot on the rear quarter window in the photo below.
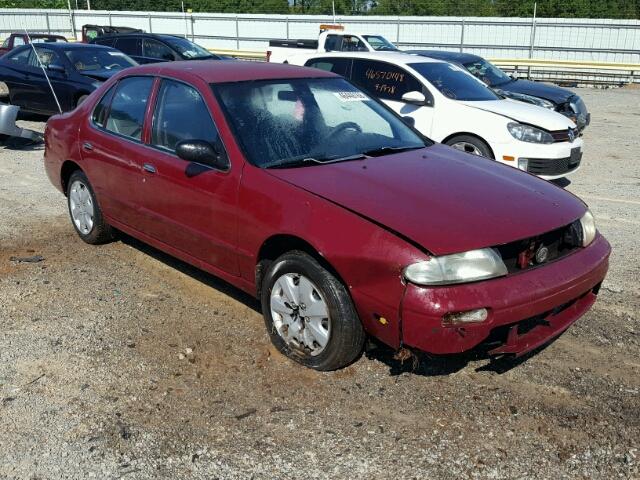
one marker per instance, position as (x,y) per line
(341,66)
(384,80)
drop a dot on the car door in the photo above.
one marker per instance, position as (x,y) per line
(16,74)
(389,83)
(188,206)
(111,146)
(42,99)
(156,51)
(130,46)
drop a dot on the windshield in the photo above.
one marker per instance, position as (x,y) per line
(186,48)
(47,39)
(93,59)
(454,82)
(380,43)
(309,121)
(487,72)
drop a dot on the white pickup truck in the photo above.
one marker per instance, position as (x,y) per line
(332,38)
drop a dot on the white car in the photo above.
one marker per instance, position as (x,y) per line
(451,106)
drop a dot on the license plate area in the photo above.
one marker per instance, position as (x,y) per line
(575,157)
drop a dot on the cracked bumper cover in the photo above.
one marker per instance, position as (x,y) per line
(8,116)
(555,295)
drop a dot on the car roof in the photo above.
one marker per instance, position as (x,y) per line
(447,55)
(138,34)
(69,46)
(42,35)
(399,58)
(228,71)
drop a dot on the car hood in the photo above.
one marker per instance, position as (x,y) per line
(100,74)
(525,113)
(553,93)
(442,199)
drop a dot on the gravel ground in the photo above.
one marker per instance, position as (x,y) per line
(120,362)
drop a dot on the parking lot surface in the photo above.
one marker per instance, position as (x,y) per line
(118,361)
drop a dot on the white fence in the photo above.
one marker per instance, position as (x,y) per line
(559,38)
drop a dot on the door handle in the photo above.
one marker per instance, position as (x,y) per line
(87,146)
(149,168)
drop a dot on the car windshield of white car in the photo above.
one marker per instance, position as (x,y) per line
(454,82)
(487,72)
(98,59)
(310,121)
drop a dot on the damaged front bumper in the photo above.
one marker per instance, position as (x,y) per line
(8,117)
(524,310)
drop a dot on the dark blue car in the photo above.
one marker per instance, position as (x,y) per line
(154,48)
(542,94)
(75,70)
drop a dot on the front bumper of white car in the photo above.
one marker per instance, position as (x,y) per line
(548,161)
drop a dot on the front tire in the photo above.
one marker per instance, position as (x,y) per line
(309,314)
(470,144)
(84,210)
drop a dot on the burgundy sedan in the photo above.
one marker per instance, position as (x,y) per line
(295,186)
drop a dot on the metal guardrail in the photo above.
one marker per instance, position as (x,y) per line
(563,71)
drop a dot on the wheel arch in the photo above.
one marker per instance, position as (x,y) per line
(67,169)
(469,134)
(279,244)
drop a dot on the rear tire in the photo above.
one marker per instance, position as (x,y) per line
(470,144)
(84,210)
(309,314)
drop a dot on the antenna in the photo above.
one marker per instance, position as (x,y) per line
(44,70)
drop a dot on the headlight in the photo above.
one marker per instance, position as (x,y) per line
(457,268)
(588,224)
(541,102)
(527,133)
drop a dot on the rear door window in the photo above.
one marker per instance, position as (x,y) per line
(383,80)
(109,42)
(333,43)
(101,110)
(126,116)
(46,57)
(181,114)
(156,49)
(22,57)
(341,66)
(128,45)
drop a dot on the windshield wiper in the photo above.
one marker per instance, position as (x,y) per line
(381,151)
(299,162)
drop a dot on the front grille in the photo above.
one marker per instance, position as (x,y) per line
(554,166)
(559,243)
(568,135)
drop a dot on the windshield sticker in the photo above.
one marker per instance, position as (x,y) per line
(351,96)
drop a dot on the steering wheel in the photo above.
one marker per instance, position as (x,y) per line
(337,130)
(113,65)
(345,126)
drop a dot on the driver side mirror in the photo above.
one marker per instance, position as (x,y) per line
(414,97)
(54,67)
(202,152)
